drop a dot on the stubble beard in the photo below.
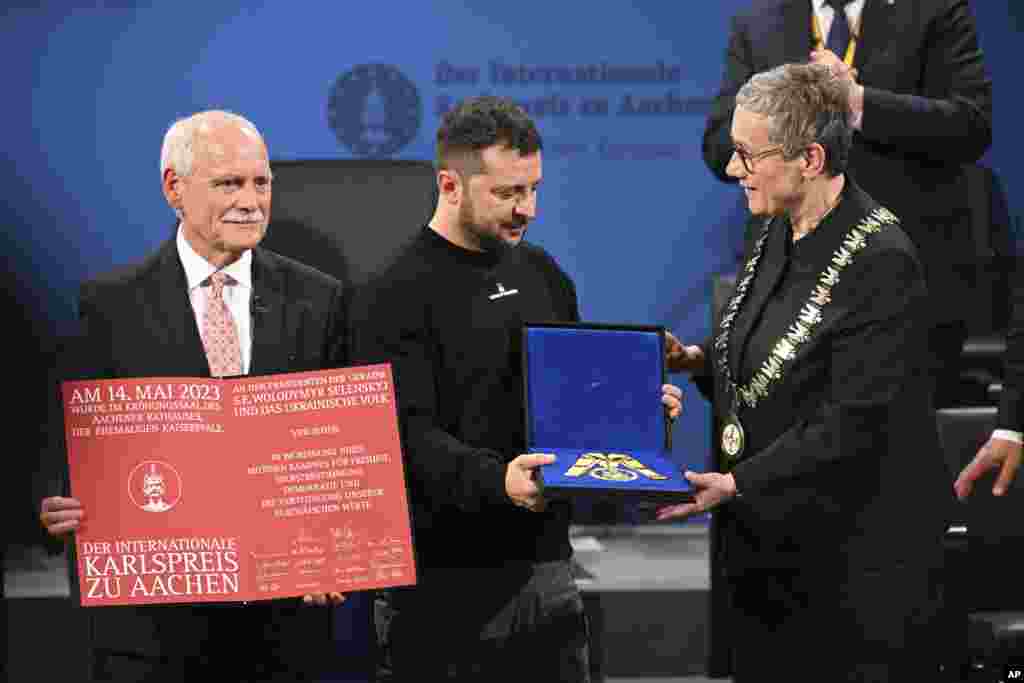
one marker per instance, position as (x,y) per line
(488,241)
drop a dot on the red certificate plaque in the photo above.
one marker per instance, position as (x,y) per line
(213,490)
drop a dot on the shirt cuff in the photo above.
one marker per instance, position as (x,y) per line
(1008,435)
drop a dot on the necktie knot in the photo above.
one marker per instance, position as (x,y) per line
(838,5)
(217,282)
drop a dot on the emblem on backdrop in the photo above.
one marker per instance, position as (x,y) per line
(374,110)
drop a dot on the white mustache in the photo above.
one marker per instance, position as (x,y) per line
(244,217)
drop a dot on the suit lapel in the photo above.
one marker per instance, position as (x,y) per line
(855,205)
(766,279)
(167,299)
(879,27)
(275,328)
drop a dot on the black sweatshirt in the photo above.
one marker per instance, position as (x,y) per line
(449,320)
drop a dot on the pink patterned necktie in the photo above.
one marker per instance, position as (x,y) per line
(220,336)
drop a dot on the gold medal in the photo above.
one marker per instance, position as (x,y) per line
(733,439)
(607,466)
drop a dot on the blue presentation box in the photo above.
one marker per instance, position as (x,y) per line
(593,399)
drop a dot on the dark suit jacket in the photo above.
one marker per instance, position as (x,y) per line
(137,321)
(1011,408)
(927,111)
(842,465)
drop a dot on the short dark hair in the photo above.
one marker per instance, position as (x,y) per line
(480,122)
(805,103)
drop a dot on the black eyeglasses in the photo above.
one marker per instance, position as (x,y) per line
(748,159)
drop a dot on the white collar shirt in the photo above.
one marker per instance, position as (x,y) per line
(826,14)
(237,295)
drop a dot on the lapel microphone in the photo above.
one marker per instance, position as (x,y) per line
(258,305)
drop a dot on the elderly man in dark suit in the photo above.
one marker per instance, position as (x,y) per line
(921,109)
(208,302)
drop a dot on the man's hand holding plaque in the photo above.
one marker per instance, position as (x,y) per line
(60,516)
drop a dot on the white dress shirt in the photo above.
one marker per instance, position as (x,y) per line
(826,14)
(237,295)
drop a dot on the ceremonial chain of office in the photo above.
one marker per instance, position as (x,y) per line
(810,315)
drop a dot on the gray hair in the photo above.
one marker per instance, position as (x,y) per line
(805,103)
(182,138)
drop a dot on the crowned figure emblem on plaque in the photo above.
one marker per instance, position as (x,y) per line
(154,486)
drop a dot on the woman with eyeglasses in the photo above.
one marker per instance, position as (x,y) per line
(832,490)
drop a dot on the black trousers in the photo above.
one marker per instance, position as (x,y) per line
(512,624)
(863,626)
(269,641)
(945,345)
(240,667)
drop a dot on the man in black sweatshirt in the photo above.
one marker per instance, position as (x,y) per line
(495,590)
(495,598)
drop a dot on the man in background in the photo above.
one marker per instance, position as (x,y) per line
(1003,449)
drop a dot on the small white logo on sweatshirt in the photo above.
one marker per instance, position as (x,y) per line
(502,292)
